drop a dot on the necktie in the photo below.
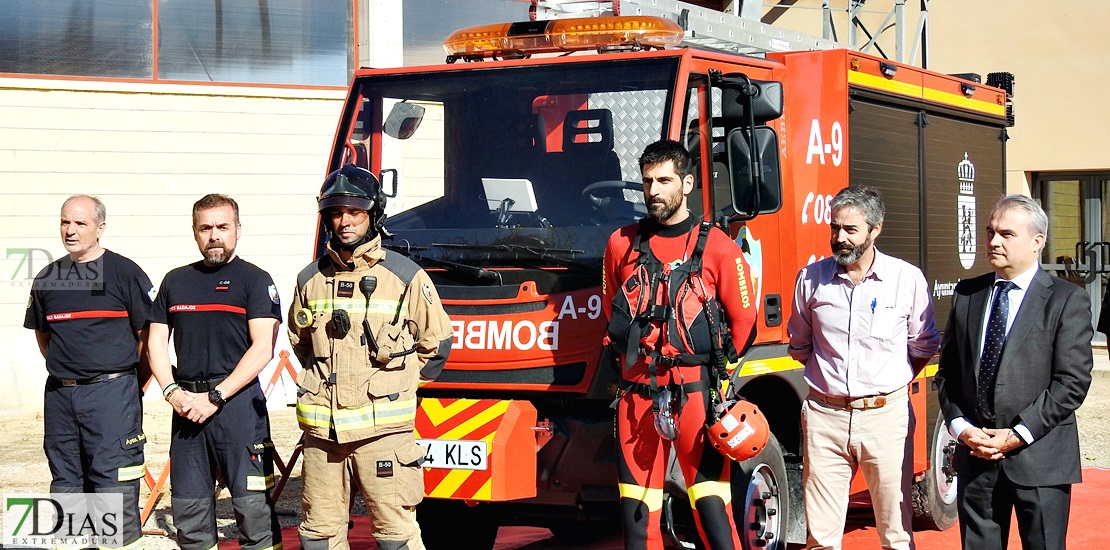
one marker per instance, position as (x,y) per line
(992,348)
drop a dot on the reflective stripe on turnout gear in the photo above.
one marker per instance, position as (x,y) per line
(359,305)
(378,413)
(652,498)
(128,473)
(260,483)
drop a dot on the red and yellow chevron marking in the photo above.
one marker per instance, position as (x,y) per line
(507,429)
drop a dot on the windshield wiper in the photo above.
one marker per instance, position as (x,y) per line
(542,253)
(471,270)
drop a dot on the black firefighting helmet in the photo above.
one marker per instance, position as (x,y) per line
(353,187)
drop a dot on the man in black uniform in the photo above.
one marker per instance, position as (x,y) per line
(89,311)
(224,316)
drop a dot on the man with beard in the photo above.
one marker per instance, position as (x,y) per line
(862,324)
(224,315)
(676,296)
(368,327)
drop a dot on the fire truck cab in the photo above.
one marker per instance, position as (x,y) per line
(515,168)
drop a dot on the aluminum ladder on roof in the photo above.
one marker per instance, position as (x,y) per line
(705,28)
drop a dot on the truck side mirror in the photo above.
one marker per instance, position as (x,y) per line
(752,195)
(403,120)
(766,99)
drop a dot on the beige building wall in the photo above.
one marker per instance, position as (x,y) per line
(149,151)
(1057,52)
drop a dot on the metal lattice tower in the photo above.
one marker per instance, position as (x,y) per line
(735,30)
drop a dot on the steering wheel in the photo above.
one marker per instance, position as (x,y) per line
(600,193)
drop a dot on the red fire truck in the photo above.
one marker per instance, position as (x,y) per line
(518,157)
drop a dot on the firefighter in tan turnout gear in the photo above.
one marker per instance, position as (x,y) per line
(368,328)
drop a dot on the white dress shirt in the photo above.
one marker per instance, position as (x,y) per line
(858,339)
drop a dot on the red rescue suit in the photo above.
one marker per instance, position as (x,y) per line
(669,293)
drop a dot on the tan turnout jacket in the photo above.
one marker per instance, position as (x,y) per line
(349,390)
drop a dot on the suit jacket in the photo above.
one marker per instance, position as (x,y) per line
(1043,376)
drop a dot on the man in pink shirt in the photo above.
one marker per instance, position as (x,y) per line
(862,324)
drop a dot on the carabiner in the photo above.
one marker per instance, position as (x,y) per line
(666,419)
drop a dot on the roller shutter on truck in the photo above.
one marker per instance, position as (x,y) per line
(939,180)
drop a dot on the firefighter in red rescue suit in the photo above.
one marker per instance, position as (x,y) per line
(676,291)
(368,327)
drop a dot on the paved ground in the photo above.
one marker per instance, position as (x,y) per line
(1089,528)
(23,467)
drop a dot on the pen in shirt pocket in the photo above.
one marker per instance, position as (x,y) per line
(874,302)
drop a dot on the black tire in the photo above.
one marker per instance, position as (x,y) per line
(761,499)
(451,524)
(934,496)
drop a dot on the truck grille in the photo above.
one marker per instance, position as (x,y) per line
(559,375)
(495,309)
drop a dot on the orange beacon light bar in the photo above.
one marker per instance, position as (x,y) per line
(561,35)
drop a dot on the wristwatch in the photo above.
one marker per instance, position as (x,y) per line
(216,397)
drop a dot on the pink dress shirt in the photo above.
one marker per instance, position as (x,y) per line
(856,340)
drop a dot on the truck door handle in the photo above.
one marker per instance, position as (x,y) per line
(772,309)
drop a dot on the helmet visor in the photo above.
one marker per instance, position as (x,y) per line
(358,203)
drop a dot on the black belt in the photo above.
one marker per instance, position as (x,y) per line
(70,382)
(200,386)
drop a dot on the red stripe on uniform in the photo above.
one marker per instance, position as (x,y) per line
(91,314)
(180,308)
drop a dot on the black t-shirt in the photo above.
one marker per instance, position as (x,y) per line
(207,308)
(92,311)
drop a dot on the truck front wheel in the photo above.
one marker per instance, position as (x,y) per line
(934,495)
(451,524)
(761,499)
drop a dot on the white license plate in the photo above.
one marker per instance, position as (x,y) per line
(454,455)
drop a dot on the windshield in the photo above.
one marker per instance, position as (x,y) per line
(527,166)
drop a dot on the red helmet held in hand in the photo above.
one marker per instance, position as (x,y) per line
(741,432)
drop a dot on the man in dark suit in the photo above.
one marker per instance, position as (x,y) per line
(1015,364)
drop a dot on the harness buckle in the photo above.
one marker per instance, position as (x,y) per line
(665,361)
